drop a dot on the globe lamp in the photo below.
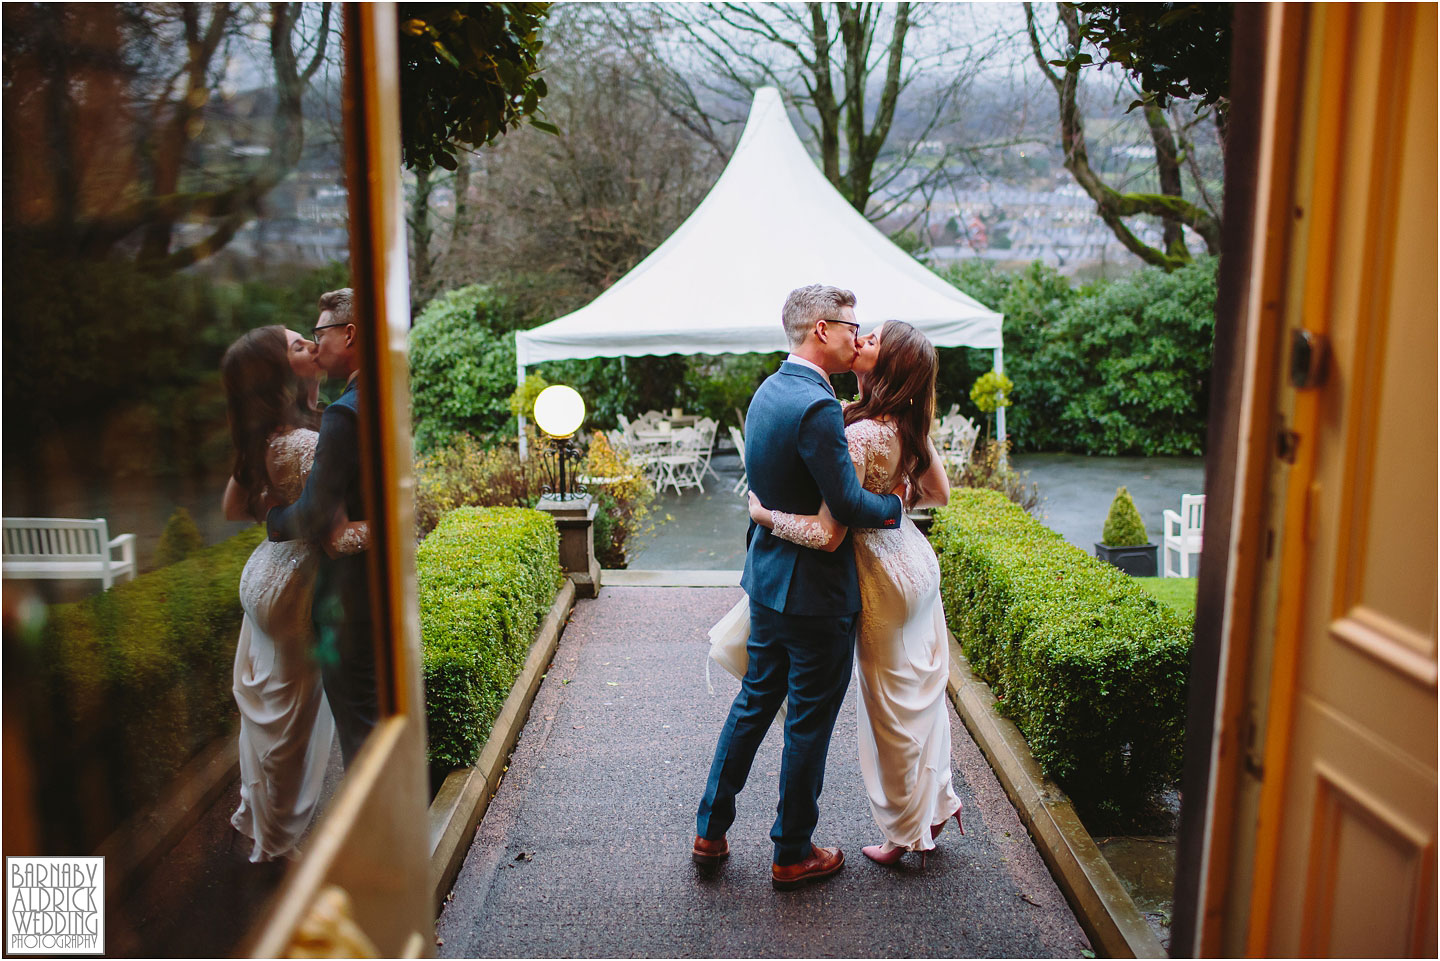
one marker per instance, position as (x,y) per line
(559,410)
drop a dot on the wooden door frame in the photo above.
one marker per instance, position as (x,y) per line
(381,802)
(1224,720)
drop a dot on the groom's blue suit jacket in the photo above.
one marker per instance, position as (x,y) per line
(796,456)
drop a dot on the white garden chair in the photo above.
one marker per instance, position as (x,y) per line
(705,430)
(742,485)
(1183,533)
(960,440)
(681,467)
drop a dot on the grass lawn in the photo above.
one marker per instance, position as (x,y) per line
(1178,592)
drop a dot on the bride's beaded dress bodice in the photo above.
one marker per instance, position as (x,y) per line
(292,455)
(276,584)
(902,555)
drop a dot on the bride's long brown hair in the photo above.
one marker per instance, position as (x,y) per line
(902,388)
(263,395)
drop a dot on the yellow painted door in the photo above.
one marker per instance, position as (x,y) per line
(362,888)
(1345,854)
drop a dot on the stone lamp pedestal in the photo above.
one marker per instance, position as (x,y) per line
(576,521)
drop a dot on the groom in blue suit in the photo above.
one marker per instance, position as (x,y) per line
(804,603)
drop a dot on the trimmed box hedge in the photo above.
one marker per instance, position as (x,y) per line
(123,688)
(1091,668)
(487,577)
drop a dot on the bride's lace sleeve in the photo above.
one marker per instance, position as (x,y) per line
(352,538)
(803,529)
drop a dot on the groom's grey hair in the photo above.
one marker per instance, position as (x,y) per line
(805,305)
(340,303)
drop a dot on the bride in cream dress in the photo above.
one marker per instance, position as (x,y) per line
(902,653)
(286,728)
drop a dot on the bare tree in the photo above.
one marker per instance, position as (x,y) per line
(1169,203)
(555,219)
(139,117)
(850,70)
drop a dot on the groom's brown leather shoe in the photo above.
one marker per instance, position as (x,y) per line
(821,863)
(710,852)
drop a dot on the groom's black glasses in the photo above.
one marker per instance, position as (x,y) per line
(315,332)
(855,333)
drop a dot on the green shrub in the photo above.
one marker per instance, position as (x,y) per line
(1136,356)
(1123,526)
(989,468)
(151,351)
(624,504)
(462,472)
(1118,367)
(462,372)
(1091,668)
(180,538)
(1031,300)
(128,685)
(465,473)
(487,577)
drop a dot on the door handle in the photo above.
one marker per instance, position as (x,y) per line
(1309,359)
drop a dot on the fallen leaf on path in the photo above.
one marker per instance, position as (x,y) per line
(524,856)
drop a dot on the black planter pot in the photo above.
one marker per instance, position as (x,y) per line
(1137,561)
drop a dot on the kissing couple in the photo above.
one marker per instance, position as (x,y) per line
(305,661)
(836,575)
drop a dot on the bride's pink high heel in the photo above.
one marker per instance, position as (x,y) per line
(937,828)
(878,854)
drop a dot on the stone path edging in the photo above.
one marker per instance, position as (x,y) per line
(466,793)
(629,578)
(1109,917)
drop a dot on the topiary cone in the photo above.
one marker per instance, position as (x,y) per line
(1123,525)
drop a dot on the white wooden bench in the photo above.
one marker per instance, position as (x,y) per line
(62,548)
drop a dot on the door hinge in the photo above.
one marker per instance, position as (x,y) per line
(1249,734)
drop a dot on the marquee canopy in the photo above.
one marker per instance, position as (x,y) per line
(771,223)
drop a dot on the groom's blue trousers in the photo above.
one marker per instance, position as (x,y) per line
(807,659)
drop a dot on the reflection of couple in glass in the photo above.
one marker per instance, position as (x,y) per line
(303,591)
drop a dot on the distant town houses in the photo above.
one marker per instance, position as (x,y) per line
(1024,206)
(1003,222)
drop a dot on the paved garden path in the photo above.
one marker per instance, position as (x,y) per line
(585,850)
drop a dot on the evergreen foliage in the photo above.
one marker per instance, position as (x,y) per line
(462,367)
(142,383)
(1117,367)
(487,577)
(1092,669)
(1123,525)
(469,72)
(124,687)
(180,538)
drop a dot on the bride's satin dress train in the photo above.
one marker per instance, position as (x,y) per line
(286,728)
